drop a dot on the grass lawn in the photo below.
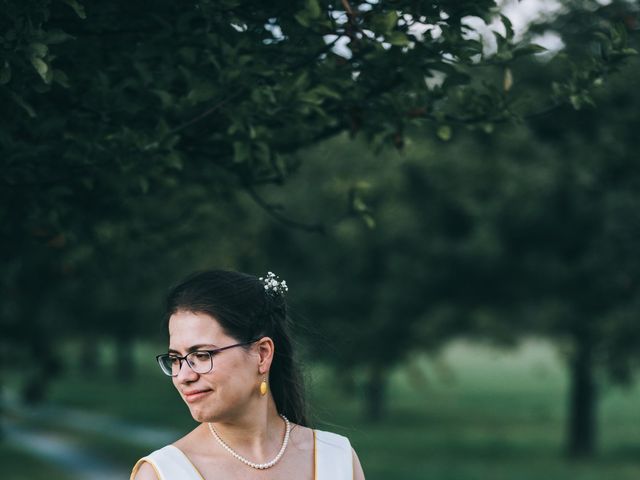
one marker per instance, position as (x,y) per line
(475,413)
(20,465)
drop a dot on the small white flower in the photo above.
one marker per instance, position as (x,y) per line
(273,285)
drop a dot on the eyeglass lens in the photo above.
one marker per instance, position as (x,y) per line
(200,362)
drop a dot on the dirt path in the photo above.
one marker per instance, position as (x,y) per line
(91,422)
(62,453)
(79,462)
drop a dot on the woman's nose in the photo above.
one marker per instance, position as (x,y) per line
(186,372)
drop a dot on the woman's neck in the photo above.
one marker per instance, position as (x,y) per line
(256,434)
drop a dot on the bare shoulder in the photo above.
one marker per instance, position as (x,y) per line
(192,442)
(301,437)
(145,472)
(358,474)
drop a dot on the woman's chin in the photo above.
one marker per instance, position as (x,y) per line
(199,416)
(202,416)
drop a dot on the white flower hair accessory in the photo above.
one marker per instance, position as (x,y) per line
(273,284)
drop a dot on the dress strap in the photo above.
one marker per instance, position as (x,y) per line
(334,457)
(169,463)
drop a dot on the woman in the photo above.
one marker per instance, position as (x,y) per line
(231,359)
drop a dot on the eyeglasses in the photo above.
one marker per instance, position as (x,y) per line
(200,361)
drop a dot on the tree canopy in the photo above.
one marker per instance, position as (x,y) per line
(129,129)
(105,102)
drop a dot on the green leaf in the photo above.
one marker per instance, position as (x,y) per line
(580,100)
(77,7)
(48,77)
(302,81)
(61,78)
(202,92)
(5,73)
(317,95)
(359,205)
(325,91)
(384,22)
(43,87)
(170,141)
(174,160)
(165,97)
(530,49)
(602,37)
(262,152)
(27,108)
(456,78)
(369,220)
(144,185)
(507,26)
(398,39)
(302,18)
(488,127)
(38,50)
(313,8)
(56,36)
(311,12)
(507,81)
(41,67)
(241,152)
(444,133)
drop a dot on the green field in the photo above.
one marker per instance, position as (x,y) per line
(20,465)
(474,413)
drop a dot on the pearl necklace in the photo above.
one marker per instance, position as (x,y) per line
(259,466)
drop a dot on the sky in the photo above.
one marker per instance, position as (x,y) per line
(519,12)
(523,12)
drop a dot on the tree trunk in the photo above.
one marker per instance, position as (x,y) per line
(46,368)
(347,382)
(2,432)
(125,363)
(89,365)
(376,390)
(581,440)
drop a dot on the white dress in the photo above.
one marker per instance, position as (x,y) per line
(332,456)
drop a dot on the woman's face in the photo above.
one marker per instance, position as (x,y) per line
(226,391)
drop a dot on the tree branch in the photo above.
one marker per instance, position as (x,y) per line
(272,210)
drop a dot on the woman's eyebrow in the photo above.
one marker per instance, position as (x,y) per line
(194,348)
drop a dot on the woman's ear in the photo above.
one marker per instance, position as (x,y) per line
(266,351)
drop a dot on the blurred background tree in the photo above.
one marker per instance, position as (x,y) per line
(531,223)
(134,142)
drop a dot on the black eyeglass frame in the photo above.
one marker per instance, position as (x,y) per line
(211,353)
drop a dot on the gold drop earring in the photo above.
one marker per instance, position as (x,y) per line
(263,387)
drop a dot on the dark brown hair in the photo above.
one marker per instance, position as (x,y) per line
(246,312)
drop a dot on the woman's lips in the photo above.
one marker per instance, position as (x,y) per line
(195,395)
